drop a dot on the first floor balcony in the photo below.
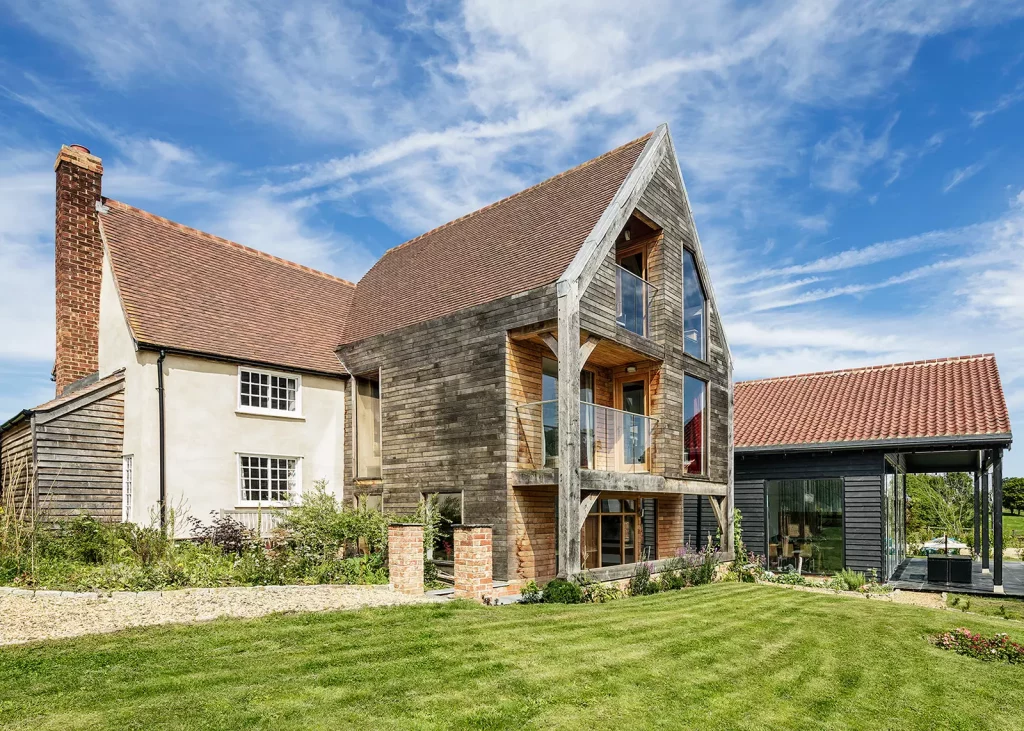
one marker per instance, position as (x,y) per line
(611,440)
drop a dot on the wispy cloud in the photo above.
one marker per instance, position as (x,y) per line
(1003,103)
(961,174)
(843,157)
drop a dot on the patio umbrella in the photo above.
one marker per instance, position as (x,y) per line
(944,542)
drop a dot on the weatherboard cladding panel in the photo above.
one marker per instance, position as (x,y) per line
(78,460)
(443,409)
(16,466)
(861,472)
(751,502)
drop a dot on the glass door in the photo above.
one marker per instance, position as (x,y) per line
(634,426)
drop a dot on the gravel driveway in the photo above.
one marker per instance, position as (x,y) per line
(26,616)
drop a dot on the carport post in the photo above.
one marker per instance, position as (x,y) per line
(984,521)
(997,520)
(977,511)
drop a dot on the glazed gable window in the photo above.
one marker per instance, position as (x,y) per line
(268,392)
(695,308)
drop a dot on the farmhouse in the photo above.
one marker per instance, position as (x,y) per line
(552,365)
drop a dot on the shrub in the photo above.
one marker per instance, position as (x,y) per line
(640,583)
(847,580)
(594,592)
(964,642)
(790,577)
(530,593)
(702,570)
(560,591)
(224,532)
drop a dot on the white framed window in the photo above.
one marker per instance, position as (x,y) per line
(269,392)
(267,480)
(127,478)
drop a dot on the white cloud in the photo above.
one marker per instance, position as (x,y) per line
(841,159)
(26,254)
(1003,103)
(961,174)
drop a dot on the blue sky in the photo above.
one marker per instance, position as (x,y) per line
(856,169)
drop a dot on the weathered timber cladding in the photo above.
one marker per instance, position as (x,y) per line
(16,468)
(751,502)
(444,414)
(861,472)
(662,202)
(78,460)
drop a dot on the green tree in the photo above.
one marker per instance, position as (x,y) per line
(941,503)
(1013,494)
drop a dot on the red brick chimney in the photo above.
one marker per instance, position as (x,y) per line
(79,264)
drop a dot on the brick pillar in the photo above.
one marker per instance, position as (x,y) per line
(78,264)
(473,561)
(405,557)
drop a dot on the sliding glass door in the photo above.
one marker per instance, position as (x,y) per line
(805,525)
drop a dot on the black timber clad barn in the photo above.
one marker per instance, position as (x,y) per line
(821,459)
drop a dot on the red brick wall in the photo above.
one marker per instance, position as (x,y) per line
(405,558)
(473,557)
(78,265)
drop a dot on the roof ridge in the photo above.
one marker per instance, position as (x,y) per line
(507,198)
(863,369)
(226,242)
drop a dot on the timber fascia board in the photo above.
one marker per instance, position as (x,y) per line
(588,259)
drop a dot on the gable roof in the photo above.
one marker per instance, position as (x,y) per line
(82,394)
(516,244)
(183,289)
(951,397)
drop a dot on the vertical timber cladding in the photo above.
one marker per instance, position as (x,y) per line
(444,415)
(861,472)
(662,202)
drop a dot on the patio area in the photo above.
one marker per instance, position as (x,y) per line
(912,575)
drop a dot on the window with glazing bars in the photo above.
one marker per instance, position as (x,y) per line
(266,391)
(267,479)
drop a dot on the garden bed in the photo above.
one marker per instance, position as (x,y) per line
(36,615)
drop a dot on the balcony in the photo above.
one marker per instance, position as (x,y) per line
(611,440)
(633,301)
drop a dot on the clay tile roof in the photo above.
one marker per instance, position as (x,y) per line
(519,243)
(187,290)
(930,398)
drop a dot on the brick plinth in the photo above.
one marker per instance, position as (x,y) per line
(405,558)
(473,561)
(79,265)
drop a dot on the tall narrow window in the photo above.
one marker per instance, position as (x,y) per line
(367,429)
(695,398)
(127,477)
(694,309)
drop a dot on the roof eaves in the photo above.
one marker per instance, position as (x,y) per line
(997,439)
(173,350)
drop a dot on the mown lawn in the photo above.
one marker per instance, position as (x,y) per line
(721,656)
(1012,523)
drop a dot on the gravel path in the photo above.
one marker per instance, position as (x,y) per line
(26,616)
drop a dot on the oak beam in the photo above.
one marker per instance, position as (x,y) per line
(551,341)
(568,429)
(997,521)
(587,348)
(586,504)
